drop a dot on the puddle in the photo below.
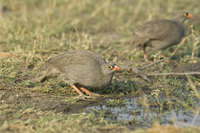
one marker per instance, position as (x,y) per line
(131,112)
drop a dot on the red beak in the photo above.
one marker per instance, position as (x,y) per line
(190,16)
(116,68)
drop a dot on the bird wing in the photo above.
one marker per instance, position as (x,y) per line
(78,57)
(158,29)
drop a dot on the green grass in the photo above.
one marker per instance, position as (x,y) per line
(35,30)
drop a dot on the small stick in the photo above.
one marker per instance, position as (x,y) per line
(152,64)
(173,74)
(6,54)
(179,45)
(136,71)
(193,86)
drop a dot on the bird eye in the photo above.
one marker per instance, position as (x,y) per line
(185,14)
(110,67)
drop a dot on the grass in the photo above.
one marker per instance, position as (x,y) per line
(36,30)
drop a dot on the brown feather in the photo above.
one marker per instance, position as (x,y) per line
(79,67)
(160,34)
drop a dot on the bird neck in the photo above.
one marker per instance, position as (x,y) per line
(107,78)
(180,20)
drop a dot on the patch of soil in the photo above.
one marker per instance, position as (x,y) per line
(183,68)
(39,100)
(193,67)
(16,98)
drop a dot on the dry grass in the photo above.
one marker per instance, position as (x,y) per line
(33,30)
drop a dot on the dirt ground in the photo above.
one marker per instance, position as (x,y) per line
(33,31)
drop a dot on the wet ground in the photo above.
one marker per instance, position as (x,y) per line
(132,112)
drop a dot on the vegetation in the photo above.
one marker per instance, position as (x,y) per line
(31,31)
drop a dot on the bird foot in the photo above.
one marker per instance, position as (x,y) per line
(89,92)
(84,97)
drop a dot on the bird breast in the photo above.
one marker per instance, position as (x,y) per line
(97,82)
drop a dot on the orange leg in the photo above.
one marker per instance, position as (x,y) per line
(77,90)
(145,54)
(88,92)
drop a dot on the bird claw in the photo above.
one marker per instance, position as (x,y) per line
(84,97)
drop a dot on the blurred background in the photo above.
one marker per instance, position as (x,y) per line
(59,25)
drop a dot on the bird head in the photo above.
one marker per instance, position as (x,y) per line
(182,16)
(109,68)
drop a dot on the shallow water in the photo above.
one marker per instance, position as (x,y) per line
(133,112)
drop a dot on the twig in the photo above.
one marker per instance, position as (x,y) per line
(152,64)
(136,71)
(6,54)
(173,74)
(193,86)
(196,41)
(179,45)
